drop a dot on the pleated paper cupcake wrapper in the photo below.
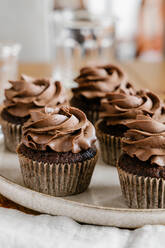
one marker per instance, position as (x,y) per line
(12,135)
(92,116)
(57,179)
(111,147)
(142,192)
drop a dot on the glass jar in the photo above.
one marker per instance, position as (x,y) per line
(8,65)
(82,40)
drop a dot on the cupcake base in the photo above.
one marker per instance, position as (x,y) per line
(143,187)
(111,145)
(12,134)
(12,129)
(57,178)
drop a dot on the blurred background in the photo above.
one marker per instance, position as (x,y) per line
(137,26)
(69,34)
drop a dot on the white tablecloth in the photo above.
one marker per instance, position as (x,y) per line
(21,230)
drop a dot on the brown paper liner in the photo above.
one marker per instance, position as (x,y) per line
(12,134)
(142,192)
(110,146)
(57,179)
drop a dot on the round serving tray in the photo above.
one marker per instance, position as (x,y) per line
(101,204)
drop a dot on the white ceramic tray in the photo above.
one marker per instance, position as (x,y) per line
(101,204)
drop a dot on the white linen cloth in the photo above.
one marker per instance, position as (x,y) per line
(21,230)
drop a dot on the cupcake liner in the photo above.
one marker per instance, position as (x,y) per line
(91,115)
(62,179)
(12,135)
(111,147)
(142,192)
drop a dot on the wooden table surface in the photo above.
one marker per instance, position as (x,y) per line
(143,75)
(149,75)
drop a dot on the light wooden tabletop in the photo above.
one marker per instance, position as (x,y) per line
(142,74)
(149,75)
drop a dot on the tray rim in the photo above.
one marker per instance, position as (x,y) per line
(62,199)
(81,212)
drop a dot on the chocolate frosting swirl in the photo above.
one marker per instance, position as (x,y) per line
(96,81)
(59,129)
(145,139)
(120,108)
(29,93)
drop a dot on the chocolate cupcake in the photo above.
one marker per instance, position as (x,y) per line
(25,95)
(117,109)
(141,167)
(93,84)
(57,153)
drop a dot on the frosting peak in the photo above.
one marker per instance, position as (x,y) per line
(59,129)
(29,93)
(145,139)
(96,81)
(119,107)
